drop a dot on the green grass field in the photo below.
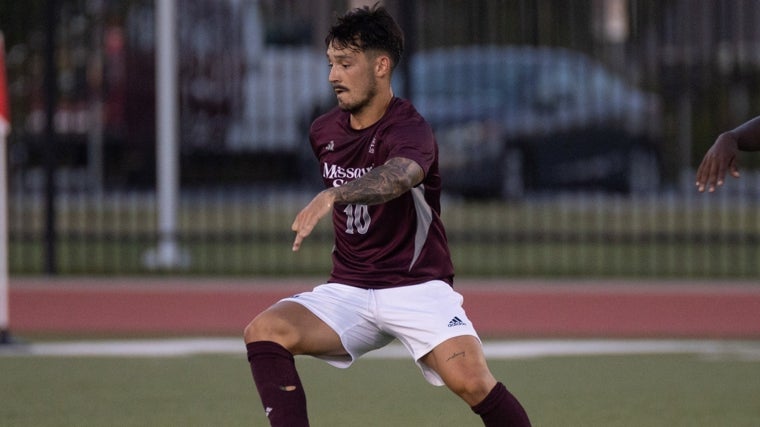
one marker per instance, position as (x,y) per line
(216,390)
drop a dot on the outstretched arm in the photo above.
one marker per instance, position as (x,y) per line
(383,183)
(722,155)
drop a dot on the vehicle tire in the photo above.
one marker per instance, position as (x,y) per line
(512,174)
(643,175)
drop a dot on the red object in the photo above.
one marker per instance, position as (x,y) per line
(5,118)
(497,308)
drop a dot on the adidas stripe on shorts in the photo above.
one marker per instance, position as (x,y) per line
(419,316)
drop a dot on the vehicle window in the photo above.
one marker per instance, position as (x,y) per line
(558,84)
(481,80)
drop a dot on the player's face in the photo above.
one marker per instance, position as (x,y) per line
(352,78)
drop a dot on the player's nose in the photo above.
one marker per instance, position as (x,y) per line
(333,77)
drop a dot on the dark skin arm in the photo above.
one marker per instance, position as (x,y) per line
(383,183)
(722,156)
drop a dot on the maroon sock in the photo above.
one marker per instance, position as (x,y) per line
(501,409)
(280,390)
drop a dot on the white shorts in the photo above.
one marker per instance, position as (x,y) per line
(420,316)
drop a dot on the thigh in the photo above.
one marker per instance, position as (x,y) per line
(462,366)
(423,316)
(458,359)
(346,310)
(296,328)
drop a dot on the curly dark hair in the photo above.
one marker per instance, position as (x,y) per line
(366,29)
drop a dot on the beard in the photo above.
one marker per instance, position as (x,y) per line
(360,104)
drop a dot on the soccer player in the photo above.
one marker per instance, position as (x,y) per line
(392,273)
(721,157)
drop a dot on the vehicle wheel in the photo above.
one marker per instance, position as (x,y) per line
(512,174)
(643,171)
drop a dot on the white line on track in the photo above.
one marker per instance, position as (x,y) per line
(511,349)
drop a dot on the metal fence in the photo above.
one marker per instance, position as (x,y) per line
(569,133)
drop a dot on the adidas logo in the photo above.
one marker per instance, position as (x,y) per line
(456,322)
(268,410)
(372,145)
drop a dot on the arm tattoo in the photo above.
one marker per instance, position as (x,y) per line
(386,182)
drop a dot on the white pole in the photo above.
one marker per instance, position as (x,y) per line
(4,291)
(168,254)
(5,127)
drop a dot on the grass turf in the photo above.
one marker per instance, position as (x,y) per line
(216,390)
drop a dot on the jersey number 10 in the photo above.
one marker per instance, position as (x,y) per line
(357,219)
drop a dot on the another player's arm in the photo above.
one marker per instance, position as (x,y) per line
(383,183)
(722,155)
(747,135)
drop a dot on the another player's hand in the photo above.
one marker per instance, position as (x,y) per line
(719,159)
(309,216)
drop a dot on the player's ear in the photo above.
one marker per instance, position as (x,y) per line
(382,65)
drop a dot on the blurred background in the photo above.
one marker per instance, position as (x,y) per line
(569,133)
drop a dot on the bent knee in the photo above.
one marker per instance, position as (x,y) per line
(473,389)
(265,327)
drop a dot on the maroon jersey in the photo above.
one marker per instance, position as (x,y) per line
(397,243)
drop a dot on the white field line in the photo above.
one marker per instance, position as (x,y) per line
(512,349)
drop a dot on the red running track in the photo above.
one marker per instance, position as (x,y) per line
(499,308)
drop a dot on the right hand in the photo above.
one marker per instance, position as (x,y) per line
(719,159)
(309,216)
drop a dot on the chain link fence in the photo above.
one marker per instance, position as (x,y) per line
(569,134)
